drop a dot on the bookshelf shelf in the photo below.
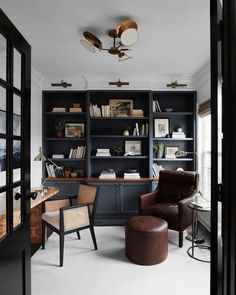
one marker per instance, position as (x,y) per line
(66,113)
(120,136)
(119,157)
(172,139)
(119,118)
(164,114)
(173,160)
(64,139)
(66,160)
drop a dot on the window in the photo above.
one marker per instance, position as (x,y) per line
(205,156)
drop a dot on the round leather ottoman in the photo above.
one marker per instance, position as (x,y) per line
(146,240)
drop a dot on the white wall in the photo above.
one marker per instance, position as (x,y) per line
(36,126)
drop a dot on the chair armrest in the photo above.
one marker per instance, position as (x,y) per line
(147,200)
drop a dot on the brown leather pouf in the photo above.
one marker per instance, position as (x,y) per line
(146,240)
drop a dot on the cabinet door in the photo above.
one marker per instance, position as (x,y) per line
(129,195)
(108,198)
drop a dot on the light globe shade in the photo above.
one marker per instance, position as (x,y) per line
(129,37)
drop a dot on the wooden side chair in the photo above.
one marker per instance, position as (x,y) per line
(72,218)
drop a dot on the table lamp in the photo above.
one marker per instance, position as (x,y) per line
(41,157)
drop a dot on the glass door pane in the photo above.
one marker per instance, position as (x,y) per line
(3,215)
(3,162)
(2,110)
(16,115)
(17,69)
(16,160)
(3,57)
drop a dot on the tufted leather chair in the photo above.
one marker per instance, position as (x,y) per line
(170,201)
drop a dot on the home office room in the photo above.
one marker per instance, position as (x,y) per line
(114,175)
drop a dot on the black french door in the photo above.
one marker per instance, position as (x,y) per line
(223,194)
(15,80)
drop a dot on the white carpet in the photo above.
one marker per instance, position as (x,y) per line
(108,271)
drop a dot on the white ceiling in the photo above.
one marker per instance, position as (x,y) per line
(174,35)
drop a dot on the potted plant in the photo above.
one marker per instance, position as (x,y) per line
(117,150)
(159,150)
(60,128)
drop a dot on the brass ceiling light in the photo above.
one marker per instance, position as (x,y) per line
(126,34)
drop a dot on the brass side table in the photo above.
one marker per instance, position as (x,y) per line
(195,210)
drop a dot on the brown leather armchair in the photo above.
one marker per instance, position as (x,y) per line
(170,201)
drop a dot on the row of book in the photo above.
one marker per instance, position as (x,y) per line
(156,170)
(141,129)
(54,171)
(156,106)
(96,111)
(78,153)
(131,175)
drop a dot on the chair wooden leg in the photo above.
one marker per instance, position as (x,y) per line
(43,234)
(93,237)
(61,249)
(78,235)
(180,238)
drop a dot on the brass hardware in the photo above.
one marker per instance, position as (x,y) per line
(126,33)
(62,84)
(119,83)
(175,84)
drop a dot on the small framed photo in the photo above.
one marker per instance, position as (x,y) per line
(133,148)
(74,130)
(170,152)
(161,127)
(121,107)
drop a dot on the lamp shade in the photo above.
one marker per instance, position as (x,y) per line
(127,31)
(40,156)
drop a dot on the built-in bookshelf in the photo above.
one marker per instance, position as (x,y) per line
(117,198)
(107,132)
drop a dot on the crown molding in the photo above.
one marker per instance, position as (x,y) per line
(137,82)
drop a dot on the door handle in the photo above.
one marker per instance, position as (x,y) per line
(32,195)
(17,196)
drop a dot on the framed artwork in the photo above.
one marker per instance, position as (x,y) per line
(74,130)
(121,107)
(161,127)
(170,152)
(133,148)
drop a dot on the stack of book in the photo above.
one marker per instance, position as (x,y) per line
(130,175)
(156,170)
(78,153)
(137,113)
(108,173)
(95,111)
(59,110)
(140,129)
(178,135)
(75,110)
(58,156)
(106,111)
(156,106)
(103,153)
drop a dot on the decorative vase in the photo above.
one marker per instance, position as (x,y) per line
(180,129)
(160,153)
(67,173)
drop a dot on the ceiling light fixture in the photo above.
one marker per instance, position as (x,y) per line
(126,34)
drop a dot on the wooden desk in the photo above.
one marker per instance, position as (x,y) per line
(36,213)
